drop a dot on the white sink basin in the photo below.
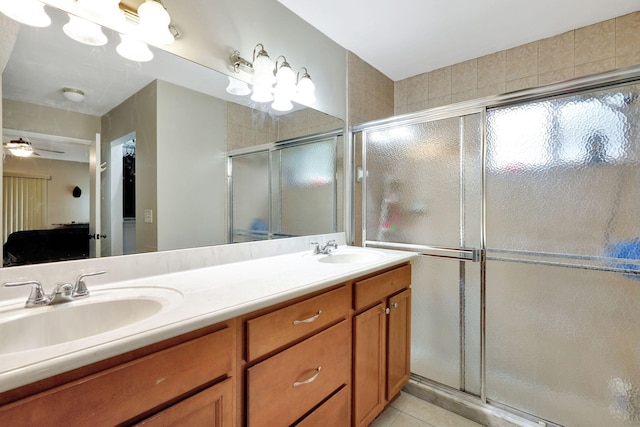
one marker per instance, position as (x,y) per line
(351,257)
(23,329)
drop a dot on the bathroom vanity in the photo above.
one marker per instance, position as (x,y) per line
(296,339)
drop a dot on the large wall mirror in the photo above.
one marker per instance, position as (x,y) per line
(139,160)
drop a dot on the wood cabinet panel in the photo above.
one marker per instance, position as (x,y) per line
(212,407)
(274,330)
(284,387)
(334,412)
(119,394)
(398,342)
(369,350)
(378,288)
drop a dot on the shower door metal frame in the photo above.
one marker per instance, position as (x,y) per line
(463,255)
(619,76)
(270,148)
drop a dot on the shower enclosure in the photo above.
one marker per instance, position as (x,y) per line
(524,211)
(285,189)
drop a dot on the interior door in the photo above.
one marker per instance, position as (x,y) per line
(94,199)
(422,193)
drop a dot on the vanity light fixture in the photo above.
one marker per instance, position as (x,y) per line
(83,31)
(238,87)
(264,75)
(154,23)
(133,49)
(28,12)
(72,94)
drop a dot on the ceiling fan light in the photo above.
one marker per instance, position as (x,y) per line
(134,49)
(21,150)
(83,31)
(28,12)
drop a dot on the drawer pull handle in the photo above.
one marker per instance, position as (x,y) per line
(309,320)
(310,380)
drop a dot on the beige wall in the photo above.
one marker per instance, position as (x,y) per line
(136,114)
(600,47)
(63,208)
(29,117)
(596,48)
(191,168)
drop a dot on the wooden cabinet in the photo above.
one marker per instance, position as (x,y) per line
(309,359)
(381,341)
(334,358)
(212,407)
(128,392)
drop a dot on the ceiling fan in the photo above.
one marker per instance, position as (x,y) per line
(21,148)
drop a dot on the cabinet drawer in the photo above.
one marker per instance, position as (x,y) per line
(212,407)
(376,288)
(334,412)
(284,387)
(274,330)
(119,394)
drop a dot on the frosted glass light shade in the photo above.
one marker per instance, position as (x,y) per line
(282,103)
(263,70)
(28,12)
(262,93)
(21,151)
(286,82)
(238,87)
(154,23)
(134,49)
(106,12)
(83,31)
(306,91)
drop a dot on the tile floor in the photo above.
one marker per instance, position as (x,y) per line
(409,411)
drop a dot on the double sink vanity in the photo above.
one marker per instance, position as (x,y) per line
(296,338)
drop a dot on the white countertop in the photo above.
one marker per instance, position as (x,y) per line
(203,297)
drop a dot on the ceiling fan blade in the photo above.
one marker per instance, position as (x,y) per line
(51,151)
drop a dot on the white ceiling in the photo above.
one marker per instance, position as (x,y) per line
(404,38)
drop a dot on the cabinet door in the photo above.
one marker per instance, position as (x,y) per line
(369,343)
(398,342)
(212,407)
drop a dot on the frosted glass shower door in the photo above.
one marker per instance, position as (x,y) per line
(563,249)
(422,194)
(304,189)
(250,197)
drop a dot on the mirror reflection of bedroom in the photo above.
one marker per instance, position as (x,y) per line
(46,198)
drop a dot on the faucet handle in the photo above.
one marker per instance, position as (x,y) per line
(316,247)
(37,297)
(80,289)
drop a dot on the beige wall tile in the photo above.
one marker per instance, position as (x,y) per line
(556,76)
(496,89)
(440,83)
(419,88)
(464,96)
(491,69)
(628,34)
(627,60)
(595,67)
(595,42)
(522,61)
(439,102)
(464,76)
(556,53)
(523,83)
(418,106)
(400,90)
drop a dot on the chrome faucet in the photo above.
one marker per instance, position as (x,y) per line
(63,292)
(326,249)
